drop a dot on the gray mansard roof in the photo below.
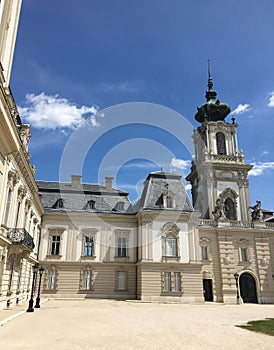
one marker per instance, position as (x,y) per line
(160,184)
(84,197)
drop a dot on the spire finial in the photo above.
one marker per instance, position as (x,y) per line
(210,83)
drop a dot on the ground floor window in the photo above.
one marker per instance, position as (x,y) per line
(121,280)
(52,279)
(171,281)
(86,279)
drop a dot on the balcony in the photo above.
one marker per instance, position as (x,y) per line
(21,237)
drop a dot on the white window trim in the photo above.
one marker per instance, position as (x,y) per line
(55,231)
(244,244)
(121,234)
(82,274)
(167,229)
(206,243)
(125,271)
(92,233)
(51,269)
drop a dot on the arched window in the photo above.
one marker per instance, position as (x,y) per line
(220,140)
(171,245)
(230,211)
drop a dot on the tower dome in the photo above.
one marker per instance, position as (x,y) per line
(213,109)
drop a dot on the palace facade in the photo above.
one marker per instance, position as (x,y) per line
(94,243)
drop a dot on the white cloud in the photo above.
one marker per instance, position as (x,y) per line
(271,99)
(241,109)
(180,163)
(259,168)
(51,112)
(188,187)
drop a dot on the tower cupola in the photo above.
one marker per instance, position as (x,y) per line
(213,109)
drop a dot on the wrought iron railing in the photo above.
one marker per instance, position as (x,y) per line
(21,236)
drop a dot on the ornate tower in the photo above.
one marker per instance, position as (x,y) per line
(218,173)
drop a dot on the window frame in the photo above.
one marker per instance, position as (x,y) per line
(83,287)
(170,231)
(124,247)
(50,283)
(90,233)
(53,231)
(244,246)
(205,245)
(172,283)
(124,272)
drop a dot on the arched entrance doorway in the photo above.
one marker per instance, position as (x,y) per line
(248,289)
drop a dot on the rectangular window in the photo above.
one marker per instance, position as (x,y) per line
(55,244)
(121,280)
(122,247)
(87,280)
(170,245)
(171,282)
(8,207)
(244,255)
(204,253)
(51,279)
(167,281)
(177,281)
(17,214)
(88,246)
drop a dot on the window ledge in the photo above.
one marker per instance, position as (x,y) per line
(50,291)
(87,257)
(171,258)
(121,258)
(245,262)
(121,290)
(86,291)
(172,294)
(52,257)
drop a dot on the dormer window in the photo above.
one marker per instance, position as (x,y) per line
(90,204)
(220,141)
(59,204)
(168,200)
(120,206)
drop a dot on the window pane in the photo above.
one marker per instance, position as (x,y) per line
(8,207)
(122,251)
(244,254)
(171,245)
(88,248)
(52,279)
(177,281)
(87,280)
(204,253)
(167,281)
(55,245)
(169,202)
(220,140)
(121,280)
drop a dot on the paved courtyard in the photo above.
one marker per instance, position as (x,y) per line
(99,324)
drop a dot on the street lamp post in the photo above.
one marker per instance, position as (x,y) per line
(236,276)
(41,270)
(35,270)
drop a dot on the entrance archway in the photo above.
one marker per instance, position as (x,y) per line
(248,289)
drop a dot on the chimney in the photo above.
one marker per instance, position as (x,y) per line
(109,183)
(76,180)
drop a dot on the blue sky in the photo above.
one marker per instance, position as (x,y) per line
(75,59)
